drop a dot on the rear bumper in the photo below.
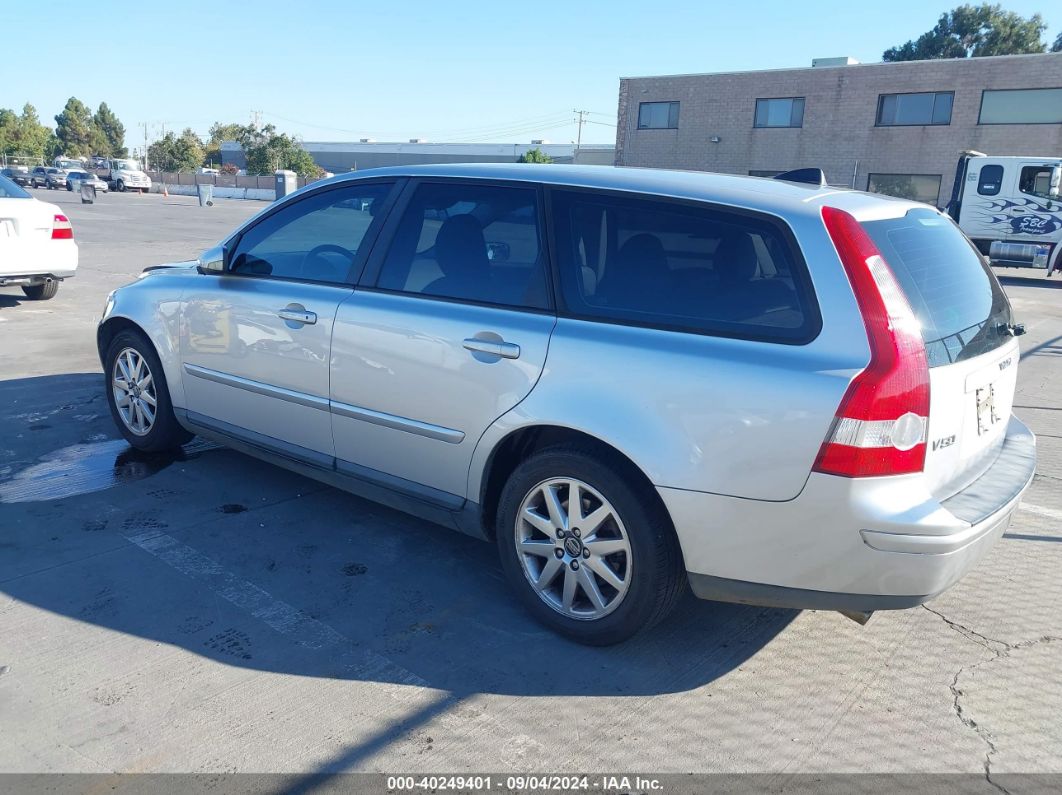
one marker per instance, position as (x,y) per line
(56,259)
(860,545)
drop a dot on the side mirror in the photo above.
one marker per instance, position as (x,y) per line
(212,260)
(1055,186)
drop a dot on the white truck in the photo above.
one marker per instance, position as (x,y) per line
(122,174)
(1011,208)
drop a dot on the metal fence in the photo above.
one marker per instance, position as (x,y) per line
(267,181)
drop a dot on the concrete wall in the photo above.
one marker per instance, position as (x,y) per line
(839,133)
(342,157)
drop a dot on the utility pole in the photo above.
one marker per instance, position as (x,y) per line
(582,114)
(144,124)
(256,118)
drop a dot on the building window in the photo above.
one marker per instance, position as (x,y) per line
(917,187)
(1021,106)
(658,116)
(903,110)
(763,173)
(990,180)
(787,112)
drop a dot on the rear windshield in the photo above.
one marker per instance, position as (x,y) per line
(953,292)
(9,190)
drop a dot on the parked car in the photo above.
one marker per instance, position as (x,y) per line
(38,177)
(20,175)
(37,248)
(55,178)
(778,392)
(74,180)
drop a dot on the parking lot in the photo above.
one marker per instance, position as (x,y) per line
(214,613)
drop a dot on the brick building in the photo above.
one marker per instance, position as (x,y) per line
(892,127)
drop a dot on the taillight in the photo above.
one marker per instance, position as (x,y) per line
(880,428)
(62,229)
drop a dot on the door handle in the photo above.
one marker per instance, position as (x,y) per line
(505,350)
(302,316)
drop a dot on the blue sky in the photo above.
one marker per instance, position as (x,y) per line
(446,71)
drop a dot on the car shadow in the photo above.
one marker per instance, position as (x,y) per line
(7,300)
(249,565)
(1040,280)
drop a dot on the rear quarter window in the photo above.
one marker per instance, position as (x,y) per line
(954,294)
(681,266)
(9,190)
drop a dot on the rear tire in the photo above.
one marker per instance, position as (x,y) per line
(41,292)
(140,378)
(631,559)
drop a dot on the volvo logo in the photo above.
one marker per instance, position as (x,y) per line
(573,546)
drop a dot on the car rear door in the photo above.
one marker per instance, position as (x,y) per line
(448,331)
(966,324)
(256,339)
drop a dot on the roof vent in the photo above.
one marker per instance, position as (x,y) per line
(845,60)
(809,176)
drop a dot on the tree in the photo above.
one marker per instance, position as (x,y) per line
(973,32)
(75,130)
(535,155)
(1057,46)
(176,153)
(113,132)
(268,151)
(24,135)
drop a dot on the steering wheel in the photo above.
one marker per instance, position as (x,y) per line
(326,248)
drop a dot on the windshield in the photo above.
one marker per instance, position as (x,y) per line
(9,190)
(125,165)
(953,292)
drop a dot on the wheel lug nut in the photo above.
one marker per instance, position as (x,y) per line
(560,533)
(558,552)
(586,552)
(576,532)
(575,565)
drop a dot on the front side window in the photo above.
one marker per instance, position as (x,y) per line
(682,267)
(1021,106)
(990,180)
(916,187)
(1036,181)
(787,112)
(316,238)
(899,110)
(658,116)
(468,242)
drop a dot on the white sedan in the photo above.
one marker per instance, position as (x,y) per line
(37,248)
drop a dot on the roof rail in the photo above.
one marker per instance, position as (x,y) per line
(810,176)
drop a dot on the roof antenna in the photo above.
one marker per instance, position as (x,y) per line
(809,176)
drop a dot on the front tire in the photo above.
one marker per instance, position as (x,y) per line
(42,292)
(120,186)
(587,545)
(138,396)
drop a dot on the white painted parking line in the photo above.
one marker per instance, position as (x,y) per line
(1050,513)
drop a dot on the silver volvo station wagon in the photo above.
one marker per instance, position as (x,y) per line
(779,392)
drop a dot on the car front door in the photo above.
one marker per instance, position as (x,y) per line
(256,338)
(448,331)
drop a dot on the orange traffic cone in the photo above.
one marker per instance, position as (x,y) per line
(165,191)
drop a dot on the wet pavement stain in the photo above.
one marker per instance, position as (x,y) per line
(232,507)
(85,468)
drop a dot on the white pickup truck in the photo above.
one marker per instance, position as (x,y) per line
(1011,208)
(122,174)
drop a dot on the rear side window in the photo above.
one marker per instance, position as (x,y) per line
(954,294)
(469,242)
(990,180)
(683,267)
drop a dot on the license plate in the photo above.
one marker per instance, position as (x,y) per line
(987,416)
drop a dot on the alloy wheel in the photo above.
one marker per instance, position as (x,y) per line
(134,391)
(573,548)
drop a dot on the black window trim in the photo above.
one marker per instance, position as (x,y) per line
(881,99)
(370,275)
(872,174)
(981,107)
(756,126)
(357,267)
(638,117)
(801,273)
